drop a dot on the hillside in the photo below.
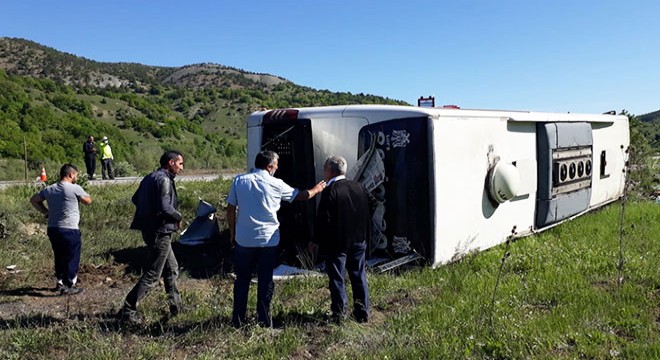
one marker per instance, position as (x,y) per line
(650,117)
(650,127)
(50,101)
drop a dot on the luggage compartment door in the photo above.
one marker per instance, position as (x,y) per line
(565,170)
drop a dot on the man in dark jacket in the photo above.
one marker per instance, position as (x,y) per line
(341,231)
(89,150)
(156,216)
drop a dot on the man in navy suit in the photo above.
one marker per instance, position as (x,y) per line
(341,232)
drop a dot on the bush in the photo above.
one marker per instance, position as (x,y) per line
(640,161)
(123,169)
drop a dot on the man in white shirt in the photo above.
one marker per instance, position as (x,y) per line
(255,231)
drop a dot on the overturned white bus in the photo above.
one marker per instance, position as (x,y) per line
(450,181)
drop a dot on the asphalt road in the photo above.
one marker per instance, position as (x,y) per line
(131,179)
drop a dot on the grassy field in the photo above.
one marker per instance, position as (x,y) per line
(558,296)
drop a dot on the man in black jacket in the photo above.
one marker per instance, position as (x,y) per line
(156,216)
(89,150)
(341,231)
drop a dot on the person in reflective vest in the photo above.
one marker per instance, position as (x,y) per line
(106,159)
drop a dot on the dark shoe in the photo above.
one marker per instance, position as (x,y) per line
(59,286)
(338,318)
(71,290)
(176,309)
(361,316)
(128,317)
(237,323)
(265,324)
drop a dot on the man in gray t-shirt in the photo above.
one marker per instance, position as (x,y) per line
(63,217)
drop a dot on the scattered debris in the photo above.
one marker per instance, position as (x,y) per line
(203,229)
(284,272)
(374,261)
(398,262)
(12,269)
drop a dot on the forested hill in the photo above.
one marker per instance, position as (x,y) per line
(50,101)
(649,125)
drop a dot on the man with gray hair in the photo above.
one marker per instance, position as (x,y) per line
(256,198)
(341,231)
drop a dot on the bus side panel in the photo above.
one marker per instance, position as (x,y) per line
(611,141)
(464,149)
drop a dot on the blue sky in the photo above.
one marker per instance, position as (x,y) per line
(556,55)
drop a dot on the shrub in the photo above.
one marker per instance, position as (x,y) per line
(123,168)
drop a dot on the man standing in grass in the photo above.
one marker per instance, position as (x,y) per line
(157,217)
(255,231)
(63,217)
(341,230)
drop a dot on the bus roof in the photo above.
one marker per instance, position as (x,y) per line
(377,113)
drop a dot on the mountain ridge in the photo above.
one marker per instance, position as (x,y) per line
(50,101)
(49,62)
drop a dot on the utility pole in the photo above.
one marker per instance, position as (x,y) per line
(26,161)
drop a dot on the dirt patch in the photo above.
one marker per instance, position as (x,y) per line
(101,294)
(405,299)
(41,305)
(605,285)
(32,296)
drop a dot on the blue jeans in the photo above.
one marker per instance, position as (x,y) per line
(160,261)
(245,260)
(66,245)
(353,260)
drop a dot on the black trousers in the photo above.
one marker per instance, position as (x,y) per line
(66,245)
(352,260)
(106,169)
(90,164)
(245,261)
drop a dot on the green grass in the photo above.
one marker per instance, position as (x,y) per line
(558,297)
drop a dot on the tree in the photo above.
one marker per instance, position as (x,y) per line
(640,158)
